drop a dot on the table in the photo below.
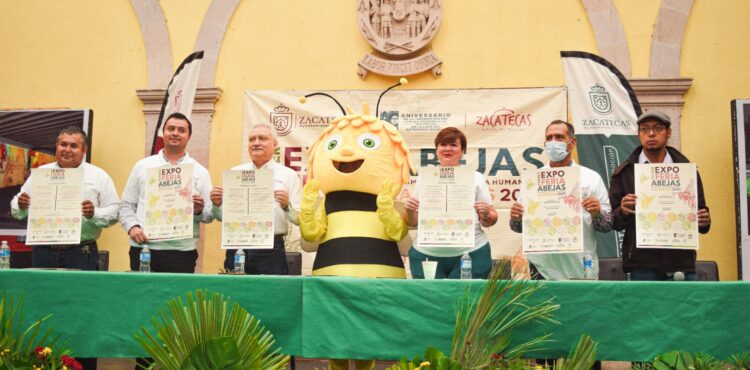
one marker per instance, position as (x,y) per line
(337,317)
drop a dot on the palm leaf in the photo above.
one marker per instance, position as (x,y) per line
(582,356)
(485,323)
(204,331)
(739,361)
(21,342)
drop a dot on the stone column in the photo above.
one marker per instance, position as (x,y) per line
(664,94)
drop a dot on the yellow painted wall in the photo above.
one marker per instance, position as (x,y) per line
(87,55)
(91,54)
(715,55)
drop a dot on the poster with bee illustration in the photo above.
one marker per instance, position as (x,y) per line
(666,209)
(55,213)
(169,202)
(552,219)
(446,207)
(247,209)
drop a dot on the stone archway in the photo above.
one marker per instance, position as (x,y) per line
(664,89)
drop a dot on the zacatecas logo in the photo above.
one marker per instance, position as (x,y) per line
(400,31)
(600,99)
(281,118)
(503,118)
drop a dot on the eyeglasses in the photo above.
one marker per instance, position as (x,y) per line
(656,129)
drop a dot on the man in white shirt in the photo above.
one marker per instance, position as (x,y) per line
(558,144)
(262,142)
(166,255)
(99,206)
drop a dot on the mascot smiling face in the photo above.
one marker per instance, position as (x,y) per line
(357,153)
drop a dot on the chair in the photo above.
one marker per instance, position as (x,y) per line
(611,269)
(707,270)
(294,263)
(103,260)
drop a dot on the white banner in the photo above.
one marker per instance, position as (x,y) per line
(600,97)
(504,129)
(604,111)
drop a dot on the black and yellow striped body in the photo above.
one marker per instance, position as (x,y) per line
(355,243)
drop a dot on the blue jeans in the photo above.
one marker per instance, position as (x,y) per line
(81,257)
(646,274)
(450,267)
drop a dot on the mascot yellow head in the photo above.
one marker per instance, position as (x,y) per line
(357,153)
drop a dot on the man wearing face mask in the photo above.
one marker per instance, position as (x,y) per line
(597,216)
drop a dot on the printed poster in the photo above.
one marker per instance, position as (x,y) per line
(667,206)
(552,221)
(169,202)
(446,207)
(55,211)
(247,209)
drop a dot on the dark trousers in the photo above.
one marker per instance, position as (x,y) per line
(81,257)
(262,261)
(165,260)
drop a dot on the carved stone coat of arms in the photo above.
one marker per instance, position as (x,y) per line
(400,31)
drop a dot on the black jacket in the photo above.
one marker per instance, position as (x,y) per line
(664,260)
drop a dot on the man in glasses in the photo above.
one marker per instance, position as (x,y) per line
(651,264)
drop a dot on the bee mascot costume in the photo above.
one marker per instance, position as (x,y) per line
(359,163)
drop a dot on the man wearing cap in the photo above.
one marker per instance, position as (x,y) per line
(651,264)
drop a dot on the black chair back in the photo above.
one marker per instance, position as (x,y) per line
(294,263)
(707,270)
(103,260)
(611,269)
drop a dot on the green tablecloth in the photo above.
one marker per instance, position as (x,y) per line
(385,318)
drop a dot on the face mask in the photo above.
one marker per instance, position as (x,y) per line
(556,150)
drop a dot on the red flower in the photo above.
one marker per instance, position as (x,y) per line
(71,362)
(39,350)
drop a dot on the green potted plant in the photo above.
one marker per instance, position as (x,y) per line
(208,331)
(31,347)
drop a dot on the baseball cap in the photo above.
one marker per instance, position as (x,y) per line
(657,115)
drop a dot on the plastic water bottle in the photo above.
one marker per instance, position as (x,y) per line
(145,259)
(588,267)
(465,267)
(4,256)
(239,261)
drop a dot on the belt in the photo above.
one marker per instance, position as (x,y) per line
(65,247)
